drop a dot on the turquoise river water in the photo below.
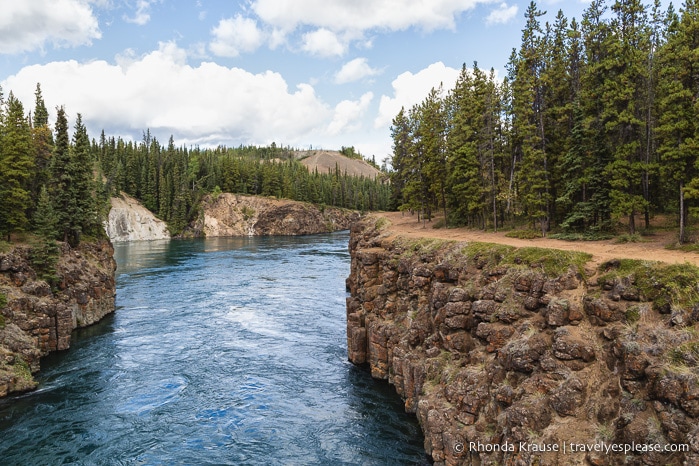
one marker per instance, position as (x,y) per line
(226,351)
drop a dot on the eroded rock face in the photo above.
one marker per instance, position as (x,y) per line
(128,220)
(239,215)
(37,319)
(504,355)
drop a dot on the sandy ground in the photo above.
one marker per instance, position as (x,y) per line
(325,162)
(652,248)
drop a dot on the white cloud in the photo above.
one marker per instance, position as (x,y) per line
(362,15)
(354,70)
(348,114)
(29,25)
(410,89)
(234,36)
(502,15)
(323,43)
(348,21)
(207,104)
(142,14)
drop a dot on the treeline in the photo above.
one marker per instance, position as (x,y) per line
(47,184)
(595,122)
(170,180)
(60,186)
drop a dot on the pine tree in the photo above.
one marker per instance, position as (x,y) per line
(624,113)
(593,144)
(85,216)
(400,134)
(45,218)
(431,131)
(678,88)
(15,168)
(44,252)
(43,145)
(61,178)
(528,128)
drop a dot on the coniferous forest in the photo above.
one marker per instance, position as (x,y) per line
(595,125)
(60,186)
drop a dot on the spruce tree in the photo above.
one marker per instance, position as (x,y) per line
(678,111)
(528,130)
(15,168)
(85,216)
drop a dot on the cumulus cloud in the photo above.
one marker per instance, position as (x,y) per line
(410,89)
(207,104)
(348,21)
(234,36)
(502,15)
(348,114)
(341,15)
(354,70)
(29,25)
(323,43)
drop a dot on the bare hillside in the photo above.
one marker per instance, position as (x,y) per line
(326,161)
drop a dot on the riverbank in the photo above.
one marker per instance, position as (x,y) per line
(495,344)
(37,317)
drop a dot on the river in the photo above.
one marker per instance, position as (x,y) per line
(221,351)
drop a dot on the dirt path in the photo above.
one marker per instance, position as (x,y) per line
(652,249)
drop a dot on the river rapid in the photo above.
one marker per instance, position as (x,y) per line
(221,351)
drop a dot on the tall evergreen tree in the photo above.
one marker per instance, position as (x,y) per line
(624,114)
(528,130)
(678,108)
(15,168)
(60,187)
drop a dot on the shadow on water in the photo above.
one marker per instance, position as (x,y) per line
(396,437)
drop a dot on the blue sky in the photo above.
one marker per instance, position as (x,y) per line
(304,73)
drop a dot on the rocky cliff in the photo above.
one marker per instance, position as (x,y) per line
(529,356)
(128,220)
(36,318)
(239,215)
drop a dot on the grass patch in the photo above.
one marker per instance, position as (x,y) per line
(425,245)
(633,315)
(627,238)
(441,223)
(587,236)
(523,234)
(664,285)
(381,223)
(686,355)
(686,247)
(248,212)
(552,261)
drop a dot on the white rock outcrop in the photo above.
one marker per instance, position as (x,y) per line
(129,221)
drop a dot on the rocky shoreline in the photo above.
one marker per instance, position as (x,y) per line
(36,319)
(518,356)
(242,215)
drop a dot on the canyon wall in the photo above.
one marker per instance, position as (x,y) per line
(241,215)
(36,317)
(528,356)
(128,220)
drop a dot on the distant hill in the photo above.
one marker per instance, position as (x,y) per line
(326,161)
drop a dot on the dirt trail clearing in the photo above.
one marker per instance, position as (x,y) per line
(651,249)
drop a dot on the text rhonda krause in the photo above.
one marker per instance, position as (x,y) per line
(572,447)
